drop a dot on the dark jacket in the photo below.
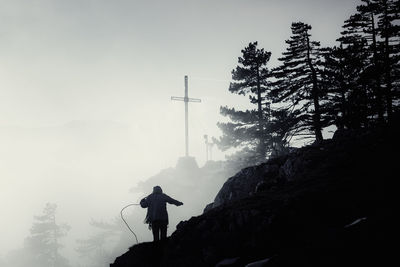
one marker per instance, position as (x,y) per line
(156,206)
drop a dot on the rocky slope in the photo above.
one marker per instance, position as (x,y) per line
(331,204)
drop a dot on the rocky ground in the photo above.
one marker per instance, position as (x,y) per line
(328,204)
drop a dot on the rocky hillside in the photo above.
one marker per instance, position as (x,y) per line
(328,204)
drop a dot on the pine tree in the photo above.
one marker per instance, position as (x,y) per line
(298,79)
(376,25)
(362,25)
(240,132)
(388,14)
(348,103)
(44,240)
(336,82)
(248,128)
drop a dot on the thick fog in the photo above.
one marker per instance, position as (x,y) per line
(85,109)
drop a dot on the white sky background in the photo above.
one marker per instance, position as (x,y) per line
(85,89)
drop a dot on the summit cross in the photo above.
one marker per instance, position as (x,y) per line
(186,99)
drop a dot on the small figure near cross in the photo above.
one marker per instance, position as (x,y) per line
(209,146)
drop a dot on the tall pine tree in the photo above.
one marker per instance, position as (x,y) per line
(362,25)
(298,79)
(376,24)
(348,100)
(388,15)
(248,128)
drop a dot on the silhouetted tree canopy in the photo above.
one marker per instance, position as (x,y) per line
(352,85)
(298,79)
(248,128)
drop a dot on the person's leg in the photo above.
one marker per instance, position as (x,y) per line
(163,229)
(155,227)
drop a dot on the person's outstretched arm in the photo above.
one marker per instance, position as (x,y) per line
(170,200)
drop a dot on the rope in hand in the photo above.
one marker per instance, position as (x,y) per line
(127,225)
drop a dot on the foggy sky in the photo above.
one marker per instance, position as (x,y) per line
(85,88)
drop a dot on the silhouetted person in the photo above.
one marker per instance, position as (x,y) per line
(157,216)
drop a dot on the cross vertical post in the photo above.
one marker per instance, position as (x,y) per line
(186,100)
(186,117)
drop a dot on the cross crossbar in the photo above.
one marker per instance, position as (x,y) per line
(178,98)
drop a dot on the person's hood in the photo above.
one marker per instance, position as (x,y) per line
(157,190)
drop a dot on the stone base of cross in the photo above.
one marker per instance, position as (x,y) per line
(187,164)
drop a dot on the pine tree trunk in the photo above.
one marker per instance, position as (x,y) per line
(260,117)
(314,96)
(388,89)
(379,103)
(343,104)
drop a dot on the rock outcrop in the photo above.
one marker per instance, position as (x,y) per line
(328,204)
